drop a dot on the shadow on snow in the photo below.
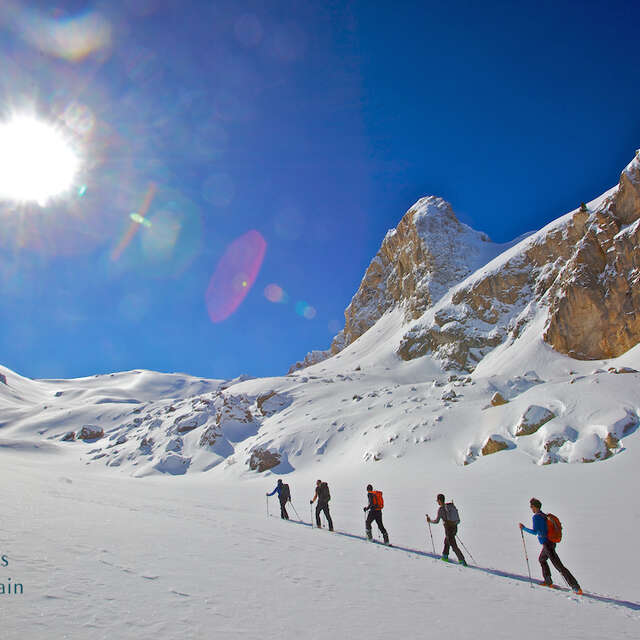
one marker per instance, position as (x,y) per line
(635,606)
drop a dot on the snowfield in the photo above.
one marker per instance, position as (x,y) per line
(104,555)
(142,550)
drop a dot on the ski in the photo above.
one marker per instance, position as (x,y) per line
(290,520)
(384,544)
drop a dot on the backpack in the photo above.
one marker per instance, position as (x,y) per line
(323,492)
(378,500)
(554,528)
(451,512)
(285,494)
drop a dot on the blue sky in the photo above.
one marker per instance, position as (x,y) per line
(314,124)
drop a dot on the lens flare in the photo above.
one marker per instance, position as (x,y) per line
(133,228)
(136,217)
(305,310)
(72,38)
(235,274)
(274,293)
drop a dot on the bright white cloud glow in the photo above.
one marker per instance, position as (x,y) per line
(36,162)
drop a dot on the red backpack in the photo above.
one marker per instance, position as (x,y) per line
(378,500)
(554,528)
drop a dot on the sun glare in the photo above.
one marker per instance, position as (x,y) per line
(36,162)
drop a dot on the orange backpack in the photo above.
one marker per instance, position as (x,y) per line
(554,528)
(378,500)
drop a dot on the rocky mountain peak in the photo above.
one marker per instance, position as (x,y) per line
(583,270)
(418,262)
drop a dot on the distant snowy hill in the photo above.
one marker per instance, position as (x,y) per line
(454,348)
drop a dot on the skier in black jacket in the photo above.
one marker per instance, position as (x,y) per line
(323,496)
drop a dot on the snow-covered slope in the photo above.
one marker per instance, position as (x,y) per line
(365,405)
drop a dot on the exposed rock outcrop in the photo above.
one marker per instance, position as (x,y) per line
(498,399)
(90,432)
(534,417)
(595,304)
(495,443)
(263,460)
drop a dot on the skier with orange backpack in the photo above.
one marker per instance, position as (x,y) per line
(549,531)
(376,503)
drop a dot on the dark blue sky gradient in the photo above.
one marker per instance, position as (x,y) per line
(317,124)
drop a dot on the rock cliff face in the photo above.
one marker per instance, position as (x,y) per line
(462,295)
(595,302)
(584,268)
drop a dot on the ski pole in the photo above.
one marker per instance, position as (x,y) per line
(431,534)
(527,558)
(467,550)
(267,498)
(294,509)
(311,513)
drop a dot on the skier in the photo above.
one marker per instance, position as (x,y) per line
(376,503)
(323,496)
(450,520)
(284,495)
(540,528)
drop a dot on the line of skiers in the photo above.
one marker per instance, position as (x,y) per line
(322,495)
(546,527)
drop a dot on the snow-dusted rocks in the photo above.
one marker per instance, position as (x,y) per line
(533,418)
(90,432)
(495,443)
(497,399)
(270,403)
(263,460)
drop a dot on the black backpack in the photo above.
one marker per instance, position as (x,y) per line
(323,492)
(285,494)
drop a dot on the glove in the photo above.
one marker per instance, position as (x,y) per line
(364,508)
(310,501)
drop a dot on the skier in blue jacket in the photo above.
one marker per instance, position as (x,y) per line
(548,548)
(284,495)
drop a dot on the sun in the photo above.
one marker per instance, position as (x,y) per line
(37,163)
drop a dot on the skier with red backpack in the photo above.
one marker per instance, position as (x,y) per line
(549,531)
(376,503)
(448,513)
